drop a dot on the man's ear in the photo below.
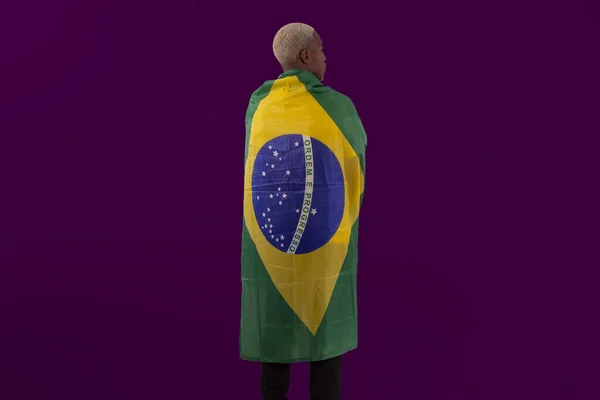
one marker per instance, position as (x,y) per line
(304,56)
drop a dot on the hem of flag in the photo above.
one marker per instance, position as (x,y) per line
(319,357)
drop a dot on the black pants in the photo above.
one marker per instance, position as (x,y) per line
(324,380)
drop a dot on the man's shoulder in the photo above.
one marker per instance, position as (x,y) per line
(262,91)
(338,93)
(342,98)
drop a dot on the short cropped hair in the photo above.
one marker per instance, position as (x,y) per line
(290,40)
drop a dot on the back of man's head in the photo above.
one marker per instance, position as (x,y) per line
(290,40)
(299,46)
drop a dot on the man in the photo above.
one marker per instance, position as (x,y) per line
(303,189)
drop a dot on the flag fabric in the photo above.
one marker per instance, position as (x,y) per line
(303,189)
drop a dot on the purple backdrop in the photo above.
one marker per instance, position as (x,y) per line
(121,169)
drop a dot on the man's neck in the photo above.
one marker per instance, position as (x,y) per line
(289,67)
(304,75)
(295,70)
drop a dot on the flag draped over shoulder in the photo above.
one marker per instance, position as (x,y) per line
(303,188)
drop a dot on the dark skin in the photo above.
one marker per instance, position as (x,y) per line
(311,59)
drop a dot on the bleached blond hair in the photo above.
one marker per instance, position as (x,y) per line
(290,40)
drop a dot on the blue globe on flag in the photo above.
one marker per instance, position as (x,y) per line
(297,193)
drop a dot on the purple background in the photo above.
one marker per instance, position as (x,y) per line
(121,162)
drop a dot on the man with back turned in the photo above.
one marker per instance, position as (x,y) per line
(304,180)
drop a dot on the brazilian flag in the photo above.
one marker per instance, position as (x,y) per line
(303,189)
